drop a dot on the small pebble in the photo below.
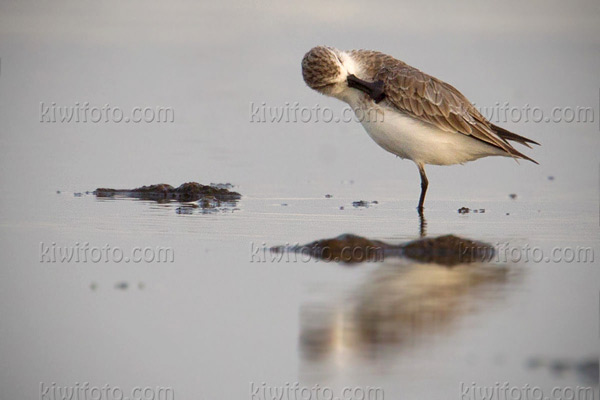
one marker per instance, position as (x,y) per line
(550,178)
(328,196)
(512,196)
(122,285)
(77,194)
(58,192)
(341,207)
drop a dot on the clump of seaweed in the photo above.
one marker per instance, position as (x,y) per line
(187,192)
(448,250)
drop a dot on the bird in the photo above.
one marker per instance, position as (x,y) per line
(407,112)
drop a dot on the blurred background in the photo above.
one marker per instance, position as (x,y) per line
(212,322)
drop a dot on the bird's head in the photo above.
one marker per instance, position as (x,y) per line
(334,73)
(326,69)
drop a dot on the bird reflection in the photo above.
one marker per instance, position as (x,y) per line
(422,225)
(399,306)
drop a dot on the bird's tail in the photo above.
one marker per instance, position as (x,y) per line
(507,135)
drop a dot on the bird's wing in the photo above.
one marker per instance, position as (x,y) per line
(432,100)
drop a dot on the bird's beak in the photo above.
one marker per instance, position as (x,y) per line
(373,89)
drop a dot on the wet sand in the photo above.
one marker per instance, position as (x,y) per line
(213,312)
(394,323)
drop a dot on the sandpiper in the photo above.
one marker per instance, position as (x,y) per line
(417,116)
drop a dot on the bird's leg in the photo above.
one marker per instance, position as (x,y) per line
(424,184)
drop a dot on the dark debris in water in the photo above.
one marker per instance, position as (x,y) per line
(346,248)
(466,210)
(190,191)
(448,250)
(363,203)
(123,285)
(186,209)
(227,185)
(208,198)
(209,205)
(586,370)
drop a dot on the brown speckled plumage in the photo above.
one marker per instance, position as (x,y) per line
(320,66)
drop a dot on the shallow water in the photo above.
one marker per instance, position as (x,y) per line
(218,319)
